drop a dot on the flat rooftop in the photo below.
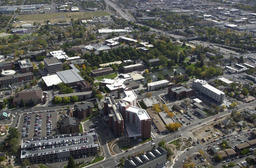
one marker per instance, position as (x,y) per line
(141,113)
(156,83)
(57,144)
(69,76)
(209,87)
(25,63)
(52,61)
(51,80)
(133,65)
(59,54)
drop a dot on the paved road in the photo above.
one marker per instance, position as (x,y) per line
(123,14)
(113,161)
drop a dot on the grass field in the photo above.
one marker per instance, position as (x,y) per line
(109,76)
(58,17)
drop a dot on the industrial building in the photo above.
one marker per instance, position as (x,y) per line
(52,65)
(6,81)
(208,90)
(155,158)
(133,67)
(157,85)
(25,65)
(59,148)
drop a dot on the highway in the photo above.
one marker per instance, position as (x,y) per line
(123,14)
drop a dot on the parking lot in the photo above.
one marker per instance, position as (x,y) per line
(39,124)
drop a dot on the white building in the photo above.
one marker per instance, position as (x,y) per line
(59,54)
(130,97)
(210,91)
(157,85)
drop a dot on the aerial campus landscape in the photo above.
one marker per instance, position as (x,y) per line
(128,83)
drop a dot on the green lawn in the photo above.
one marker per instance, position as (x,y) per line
(109,76)
(176,143)
(80,128)
(95,160)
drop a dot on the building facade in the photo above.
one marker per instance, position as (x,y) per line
(25,65)
(180,92)
(102,71)
(208,90)
(156,158)
(59,148)
(14,79)
(83,110)
(133,67)
(157,85)
(52,65)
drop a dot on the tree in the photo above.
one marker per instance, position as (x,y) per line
(74,98)
(165,108)
(189,165)
(41,66)
(11,143)
(173,126)
(57,100)
(71,163)
(245,91)
(217,158)
(66,100)
(99,96)
(170,114)
(149,94)
(25,163)
(161,143)
(233,105)
(156,108)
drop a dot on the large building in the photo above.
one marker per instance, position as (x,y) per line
(59,148)
(127,119)
(28,97)
(208,90)
(68,125)
(133,67)
(137,122)
(25,65)
(59,54)
(156,158)
(52,65)
(102,71)
(115,118)
(157,85)
(14,79)
(180,92)
(81,95)
(83,110)
(6,65)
